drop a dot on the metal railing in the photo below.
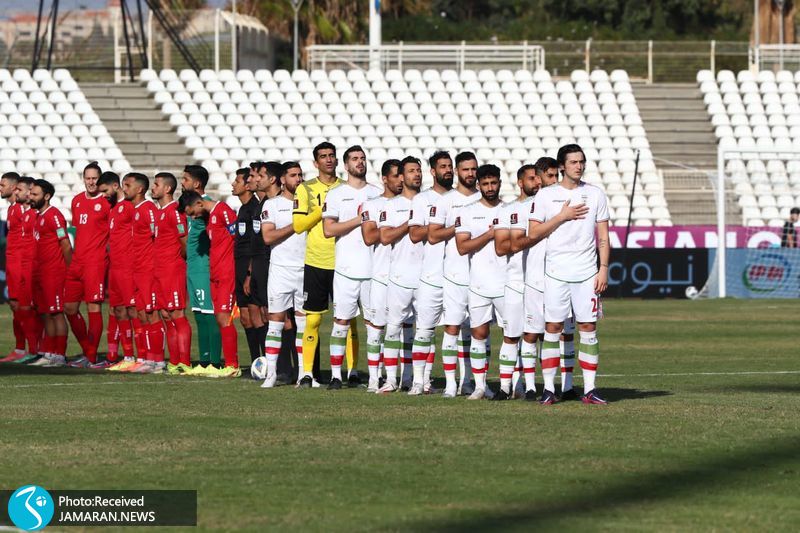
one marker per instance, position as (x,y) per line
(775,56)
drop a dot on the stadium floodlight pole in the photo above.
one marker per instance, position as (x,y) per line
(756,34)
(628,226)
(234,43)
(374,34)
(721,244)
(296,5)
(52,34)
(781,4)
(37,41)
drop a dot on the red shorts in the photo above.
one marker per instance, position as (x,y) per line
(15,281)
(171,289)
(222,291)
(143,293)
(48,291)
(86,281)
(121,288)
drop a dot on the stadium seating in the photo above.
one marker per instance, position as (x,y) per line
(505,117)
(758,110)
(48,130)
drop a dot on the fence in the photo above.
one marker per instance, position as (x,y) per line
(776,56)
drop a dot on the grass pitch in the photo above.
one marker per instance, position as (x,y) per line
(703,433)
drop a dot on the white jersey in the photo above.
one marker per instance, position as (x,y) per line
(292,251)
(534,256)
(422,208)
(343,203)
(571,254)
(406,262)
(381,254)
(445,212)
(486,269)
(510,218)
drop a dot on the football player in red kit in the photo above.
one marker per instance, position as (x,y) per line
(14,253)
(169,249)
(86,277)
(221,227)
(53,256)
(120,271)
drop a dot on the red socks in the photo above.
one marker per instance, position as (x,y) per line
(94,334)
(60,345)
(230,345)
(112,336)
(30,325)
(126,337)
(19,330)
(78,326)
(140,335)
(172,342)
(155,341)
(184,333)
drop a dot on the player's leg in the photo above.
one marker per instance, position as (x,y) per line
(112,337)
(316,289)
(512,313)
(480,316)
(222,296)
(346,292)
(585,305)
(556,309)
(399,302)
(533,333)
(13,282)
(183,330)
(567,346)
(375,331)
(456,337)
(353,346)
(258,302)
(281,292)
(429,313)
(94,293)
(73,294)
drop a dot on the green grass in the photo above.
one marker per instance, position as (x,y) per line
(682,446)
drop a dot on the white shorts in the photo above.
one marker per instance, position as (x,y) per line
(481,308)
(455,299)
(399,304)
(513,312)
(428,306)
(377,303)
(348,293)
(534,310)
(284,288)
(560,295)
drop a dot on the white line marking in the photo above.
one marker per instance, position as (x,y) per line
(79,383)
(745,373)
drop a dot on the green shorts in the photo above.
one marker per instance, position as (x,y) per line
(199,290)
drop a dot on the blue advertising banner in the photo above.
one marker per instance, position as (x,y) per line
(761,272)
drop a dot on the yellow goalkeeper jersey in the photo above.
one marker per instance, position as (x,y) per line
(307,216)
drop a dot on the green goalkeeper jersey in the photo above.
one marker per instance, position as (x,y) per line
(197,246)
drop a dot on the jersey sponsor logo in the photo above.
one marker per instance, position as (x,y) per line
(383,216)
(513,218)
(242,228)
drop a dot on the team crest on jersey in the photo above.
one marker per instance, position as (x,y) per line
(295,203)
(325,206)
(121,209)
(364,216)
(495,221)
(136,217)
(214,219)
(458,222)
(383,216)
(513,218)
(97,207)
(432,212)
(242,228)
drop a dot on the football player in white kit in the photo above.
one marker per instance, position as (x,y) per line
(341,218)
(404,279)
(381,255)
(455,289)
(513,219)
(429,295)
(285,280)
(572,276)
(474,239)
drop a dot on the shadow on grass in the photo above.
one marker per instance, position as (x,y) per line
(619,394)
(735,469)
(10,369)
(769,388)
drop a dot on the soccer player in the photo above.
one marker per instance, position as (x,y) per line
(319,260)
(429,295)
(53,256)
(169,246)
(341,218)
(148,330)
(249,313)
(405,271)
(285,281)
(14,254)
(120,270)
(455,290)
(474,234)
(381,256)
(571,273)
(195,178)
(221,229)
(86,278)
(509,238)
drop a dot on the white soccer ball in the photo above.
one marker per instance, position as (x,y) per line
(692,292)
(259,368)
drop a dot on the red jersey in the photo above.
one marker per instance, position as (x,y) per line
(120,234)
(28,239)
(51,229)
(221,228)
(90,218)
(144,227)
(170,227)
(14,232)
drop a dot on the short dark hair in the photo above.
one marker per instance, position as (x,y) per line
(543,164)
(289,165)
(354,148)
(387,165)
(187,198)
(567,149)
(168,177)
(488,171)
(139,178)
(523,169)
(244,171)
(13,176)
(46,186)
(407,161)
(93,165)
(437,155)
(198,173)
(324,145)
(795,211)
(256,165)
(274,169)
(465,156)
(108,178)
(27,180)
